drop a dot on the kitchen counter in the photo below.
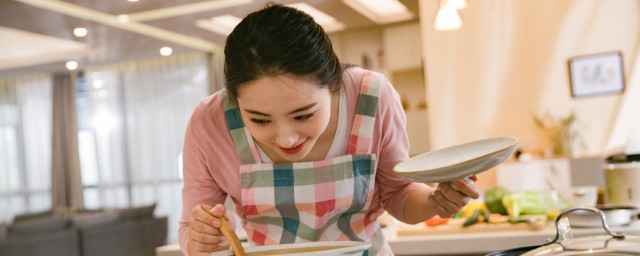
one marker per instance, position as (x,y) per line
(464,244)
(484,242)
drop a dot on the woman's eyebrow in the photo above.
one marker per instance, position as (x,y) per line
(300,109)
(303,108)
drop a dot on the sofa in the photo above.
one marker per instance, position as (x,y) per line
(124,231)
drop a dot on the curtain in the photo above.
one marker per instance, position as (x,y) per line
(25,145)
(133,120)
(65,179)
(625,134)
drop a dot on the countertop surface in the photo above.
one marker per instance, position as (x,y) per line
(480,243)
(474,243)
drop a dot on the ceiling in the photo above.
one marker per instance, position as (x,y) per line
(32,32)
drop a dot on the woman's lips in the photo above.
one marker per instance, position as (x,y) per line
(295,149)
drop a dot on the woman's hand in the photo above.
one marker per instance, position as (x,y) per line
(447,201)
(204,230)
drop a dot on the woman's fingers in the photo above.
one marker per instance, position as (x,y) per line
(448,201)
(467,188)
(204,232)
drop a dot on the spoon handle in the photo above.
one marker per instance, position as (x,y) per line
(229,233)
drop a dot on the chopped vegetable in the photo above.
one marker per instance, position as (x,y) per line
(479,215)
(471,207)
(498,218)
(525,202)
(472,219)
(493,199)
(436,220)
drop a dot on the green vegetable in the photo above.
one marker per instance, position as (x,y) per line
(493,199)
(485,215)
(525,202)
(473,218)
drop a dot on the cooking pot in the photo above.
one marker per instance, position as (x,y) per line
(613,243)
(616,216)
(623,183)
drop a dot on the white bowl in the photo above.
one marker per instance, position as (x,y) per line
(580,195)
(298,249)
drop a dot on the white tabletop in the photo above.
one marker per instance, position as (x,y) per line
(462,244)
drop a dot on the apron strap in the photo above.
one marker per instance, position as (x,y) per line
(245,148)
(363,124)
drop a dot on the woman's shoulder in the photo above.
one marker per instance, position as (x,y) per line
(209,104)
(352,78)
(208,112)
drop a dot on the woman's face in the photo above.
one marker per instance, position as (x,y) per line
(285,114)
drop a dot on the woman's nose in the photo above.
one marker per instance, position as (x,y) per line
(286,137)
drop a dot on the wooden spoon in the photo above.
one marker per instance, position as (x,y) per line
(229,233)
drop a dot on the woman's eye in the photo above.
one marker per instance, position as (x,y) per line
(259,121)
(303,117)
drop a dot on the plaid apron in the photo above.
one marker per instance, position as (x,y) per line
(312,201)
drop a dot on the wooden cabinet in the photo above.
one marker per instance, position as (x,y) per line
(402,47)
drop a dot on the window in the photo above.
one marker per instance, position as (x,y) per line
(25,146)
(131,124)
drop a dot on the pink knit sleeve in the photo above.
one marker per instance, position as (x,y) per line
(393,149)
(199,185)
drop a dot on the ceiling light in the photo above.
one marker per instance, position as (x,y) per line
(220,24)
(447,19)
(166,51)
(71,65)
(80,32)
(123,18)
(457,4)
(328,22)
(381,11)
(132,1)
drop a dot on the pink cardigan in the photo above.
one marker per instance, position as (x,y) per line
(210,163)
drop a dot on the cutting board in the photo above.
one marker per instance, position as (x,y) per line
(422,229)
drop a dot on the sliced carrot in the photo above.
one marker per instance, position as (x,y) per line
(497,218)
(436,220)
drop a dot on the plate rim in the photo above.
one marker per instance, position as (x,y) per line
(513,144)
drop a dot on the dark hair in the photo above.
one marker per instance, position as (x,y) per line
(280,40)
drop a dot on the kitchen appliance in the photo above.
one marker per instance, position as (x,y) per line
(622,179)
(613,243)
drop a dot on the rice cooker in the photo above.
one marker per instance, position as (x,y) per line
(622,179)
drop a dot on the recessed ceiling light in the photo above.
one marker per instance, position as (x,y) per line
(220,24)
(71,65)
(328,22)
(132,1)
(123,18)
(381,11)
(166,51)
(80,32)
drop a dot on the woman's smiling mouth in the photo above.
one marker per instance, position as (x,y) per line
(295,149)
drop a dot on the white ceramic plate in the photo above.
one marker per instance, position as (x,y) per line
(457,162)
(347,248)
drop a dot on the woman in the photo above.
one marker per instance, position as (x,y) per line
(304,147)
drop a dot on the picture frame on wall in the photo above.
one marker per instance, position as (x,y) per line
(596,74)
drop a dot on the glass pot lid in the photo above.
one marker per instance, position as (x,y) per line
(613,243)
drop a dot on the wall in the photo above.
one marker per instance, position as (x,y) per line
(509,61)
